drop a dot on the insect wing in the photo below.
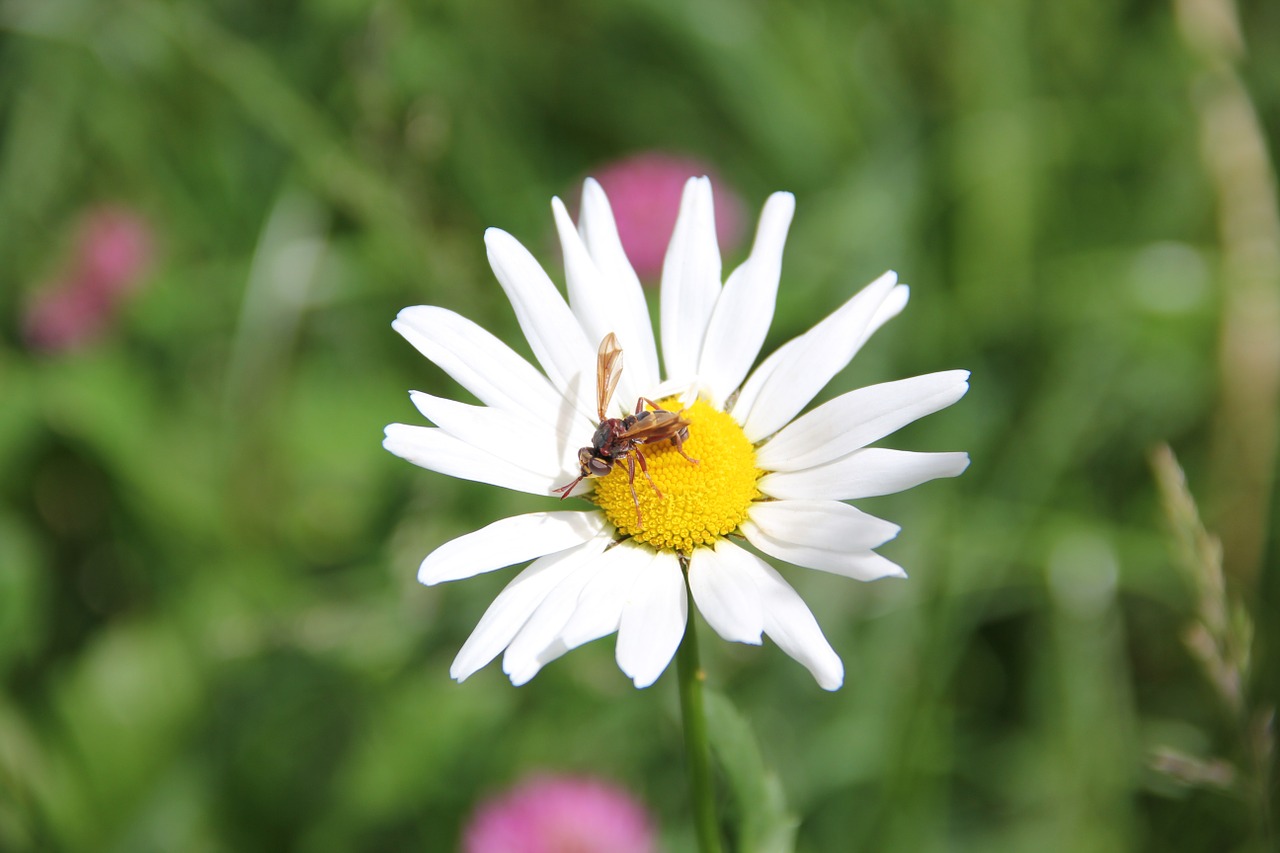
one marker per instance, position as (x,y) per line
(658,426)
(608,372)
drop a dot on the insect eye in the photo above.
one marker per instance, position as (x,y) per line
(599,467)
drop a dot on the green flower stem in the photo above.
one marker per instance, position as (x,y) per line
(696,746)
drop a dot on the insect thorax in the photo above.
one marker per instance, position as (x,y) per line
(606,437)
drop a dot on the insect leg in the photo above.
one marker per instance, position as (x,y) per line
(565,490)
(677,441)
(631,481)
(644,468)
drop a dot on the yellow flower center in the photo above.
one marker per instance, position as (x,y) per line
(700,503)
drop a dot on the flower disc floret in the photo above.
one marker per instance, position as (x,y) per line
(700,504)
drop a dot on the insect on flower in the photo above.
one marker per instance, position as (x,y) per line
(617,439)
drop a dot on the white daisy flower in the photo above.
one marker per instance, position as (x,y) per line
(763,475)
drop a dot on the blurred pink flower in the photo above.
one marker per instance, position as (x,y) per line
(559,814)
(645,191)
(112,251)
(65,317)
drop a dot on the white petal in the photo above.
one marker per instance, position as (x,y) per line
(481,363)
(890,308)
(653,621)
(436,450)
(829,525)
(538,642)
(789,623)
(745,308)
(589,296)
(726,596)
(605,304)
(862,306)
(523,672)
(856,419)
(554,335)
(516,603)
(791,377)
(600,605)
(690,280)
(864,473)
(507,542)
(859,565)
(600,233)
(527,443)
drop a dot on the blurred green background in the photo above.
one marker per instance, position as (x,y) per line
(211,637)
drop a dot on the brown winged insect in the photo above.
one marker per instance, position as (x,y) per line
(617,439)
